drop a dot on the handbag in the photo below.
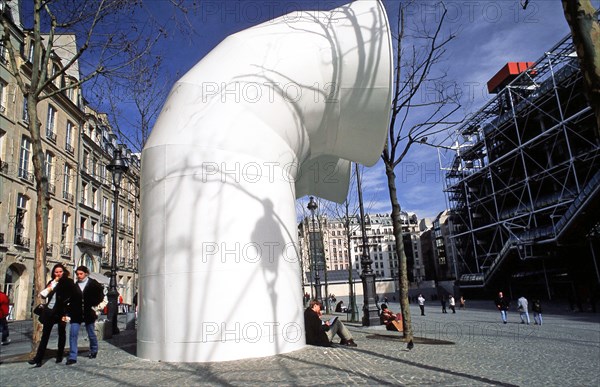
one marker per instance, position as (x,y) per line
(39,310)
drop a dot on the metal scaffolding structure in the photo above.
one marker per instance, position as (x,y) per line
(524,178)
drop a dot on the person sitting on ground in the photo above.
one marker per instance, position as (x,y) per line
(389,319)
(339,307)
(321,333)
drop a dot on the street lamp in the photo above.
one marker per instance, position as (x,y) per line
(370,309)
(312,206)
(118,167)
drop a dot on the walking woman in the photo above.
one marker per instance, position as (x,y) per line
(57,294)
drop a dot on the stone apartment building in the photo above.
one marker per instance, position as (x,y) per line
(381,241)
(78,143)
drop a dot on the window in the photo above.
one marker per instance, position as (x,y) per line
(84,193)
(30,56)
(48,166)
(24,157)
(64,228)
(25,115)
(67,178)
(129,217)
(3,53)
(68,136)
(105,208)
(19,237)
(50,122)
(86,159)
(3,92)
(94,198)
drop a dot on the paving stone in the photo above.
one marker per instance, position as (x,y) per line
(483,352)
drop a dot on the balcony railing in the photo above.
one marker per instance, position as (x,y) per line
(51,188)
(90,237)
(50,135)
(49,249)
(23,174)
(22,241)
(107,219)
(3,166)
(105,259)
(68,196)
(65,251)
(69,148)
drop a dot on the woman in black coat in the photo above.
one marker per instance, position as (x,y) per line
(57,293)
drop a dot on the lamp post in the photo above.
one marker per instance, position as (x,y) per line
(312,206)
(118,166)
(370,309)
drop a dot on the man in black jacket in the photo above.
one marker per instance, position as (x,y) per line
(88,294)
(321,333)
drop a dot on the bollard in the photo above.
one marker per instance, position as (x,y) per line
(103,329)
(130,321)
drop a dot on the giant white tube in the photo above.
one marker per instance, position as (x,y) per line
(273,113)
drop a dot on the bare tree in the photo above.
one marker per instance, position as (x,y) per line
(136,100)
(414,118)
(77,41)
(585,30)
(347,211)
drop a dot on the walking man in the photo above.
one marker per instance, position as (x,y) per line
(87,295)
(502,304)
(523,308)
(452,303)
(537,311)
(421,301)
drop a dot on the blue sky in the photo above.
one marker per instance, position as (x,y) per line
(489,34)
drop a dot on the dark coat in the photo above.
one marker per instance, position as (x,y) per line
(82,303)
(502,303)
(315,331)
(63,292)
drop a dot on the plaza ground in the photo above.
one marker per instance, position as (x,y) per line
(471,347)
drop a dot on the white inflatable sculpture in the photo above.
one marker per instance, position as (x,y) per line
(273,113)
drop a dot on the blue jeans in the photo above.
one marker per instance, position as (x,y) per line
(503,314)
(74,334)
(537,317)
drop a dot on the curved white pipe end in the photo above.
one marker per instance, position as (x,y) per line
(274,112)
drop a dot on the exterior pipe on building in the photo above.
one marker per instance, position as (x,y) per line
(273,113)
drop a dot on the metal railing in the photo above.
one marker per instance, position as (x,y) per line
(22,241)
(90,236)
(50,135)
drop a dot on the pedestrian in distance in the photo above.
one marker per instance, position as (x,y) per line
(58,293)
(536,306)
(321,333)
(421,301)
(443,301)
(452,303)
(461,302)
(523,308)
(4,306)
(88,294)
(502,303)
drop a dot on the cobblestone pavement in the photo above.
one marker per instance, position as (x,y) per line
(471,347)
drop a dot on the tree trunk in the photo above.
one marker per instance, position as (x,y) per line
(41,212)
(403,274)
(585,31)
